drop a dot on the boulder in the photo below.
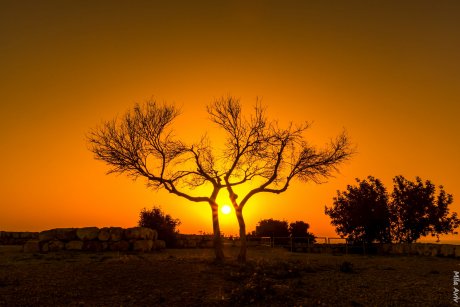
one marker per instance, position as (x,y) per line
(207,244)
(457,251)
(92,246)
(16,235)
(179,243)
(104,234)
(435,250)
(397,249)
(74,245)
(155,234)
(47,235)
(121,246)
(44,247)
(87,233)
(447,250)
(419,248)
(32,246)
(191,244)
(386,247)
(66,234)
(140,233)
(28,235)
(116,233)
(142,245)
(159,244)
(55,246)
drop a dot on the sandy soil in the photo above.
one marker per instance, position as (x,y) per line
(272,277)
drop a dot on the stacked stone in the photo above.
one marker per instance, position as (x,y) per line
(194,241)
(16,238)
(138,239)
(422,249)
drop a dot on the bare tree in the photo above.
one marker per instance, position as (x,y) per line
(256,152)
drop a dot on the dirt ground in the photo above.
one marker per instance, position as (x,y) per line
(272,277)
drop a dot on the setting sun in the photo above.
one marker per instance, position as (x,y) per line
(226,209)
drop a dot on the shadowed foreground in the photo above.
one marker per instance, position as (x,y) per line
(272,277)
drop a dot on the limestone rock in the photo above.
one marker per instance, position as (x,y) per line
(155,234)
(397,249)
(32,246)
(66,234)
(207,244)
(87,233)
(55,245)
(121,246)
(143,245)
(457,251)
(104,234)
(74,245)
(133,233)
(435,250)
(160,244)
(447,250)
(44,247)
(139,233)
(92,246)
(116,233)
(47,235)
(386,247)
(419,248)
(191,244)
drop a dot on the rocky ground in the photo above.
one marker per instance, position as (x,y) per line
(189,277)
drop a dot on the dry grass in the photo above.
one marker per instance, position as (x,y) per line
(272,277)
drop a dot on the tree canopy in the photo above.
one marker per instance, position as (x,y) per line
(418,211)
(367,213)
(272,228)
(257,152)
(361,212)
(163,223)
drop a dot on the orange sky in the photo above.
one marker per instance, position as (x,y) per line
(389,73)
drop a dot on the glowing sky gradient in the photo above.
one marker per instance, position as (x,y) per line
(388,72)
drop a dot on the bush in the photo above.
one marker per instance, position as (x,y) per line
(163,223)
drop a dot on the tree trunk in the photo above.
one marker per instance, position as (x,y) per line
(216,229)
(243,248)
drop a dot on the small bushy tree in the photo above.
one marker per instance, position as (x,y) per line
(417,211)
(163,223)
(361,212)
(272,228)
(366,213)
(299,229)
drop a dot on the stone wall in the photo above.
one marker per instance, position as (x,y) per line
(194,241)
(138,239)
(420,249)
(16,238)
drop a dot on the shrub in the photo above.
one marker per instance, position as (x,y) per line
(163,223)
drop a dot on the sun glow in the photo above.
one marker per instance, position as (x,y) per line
(226,209)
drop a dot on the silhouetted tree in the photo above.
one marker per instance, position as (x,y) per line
(163,223)
(257,152)
(361,212)
(272,228)
(275,229)
(417,210)
(299,229)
